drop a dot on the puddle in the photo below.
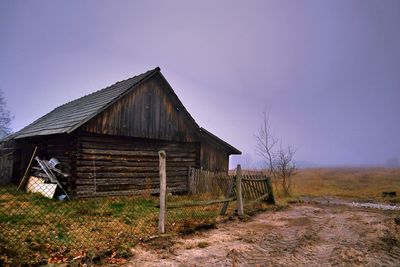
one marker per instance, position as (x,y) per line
(351,203)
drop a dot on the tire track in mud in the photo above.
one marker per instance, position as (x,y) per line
(292,246)
(303,235)
(324,239)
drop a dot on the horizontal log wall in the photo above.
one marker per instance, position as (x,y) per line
(61,148)
(110,165)
(54,146)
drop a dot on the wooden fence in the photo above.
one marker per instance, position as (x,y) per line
(206,182)
(254,186)
(219,188)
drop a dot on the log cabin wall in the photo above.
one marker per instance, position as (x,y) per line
(60,147)
(109,140)
(114,165)
(22,155)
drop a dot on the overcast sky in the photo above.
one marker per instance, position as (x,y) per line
(328,72)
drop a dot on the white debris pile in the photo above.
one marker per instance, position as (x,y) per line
(375,206)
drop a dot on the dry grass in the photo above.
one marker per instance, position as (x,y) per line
(361,183)
(36,230)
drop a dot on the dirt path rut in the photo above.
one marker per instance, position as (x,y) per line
(303,235)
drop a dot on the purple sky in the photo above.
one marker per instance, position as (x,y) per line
(328,72)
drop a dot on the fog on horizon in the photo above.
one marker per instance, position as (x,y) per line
(328,72)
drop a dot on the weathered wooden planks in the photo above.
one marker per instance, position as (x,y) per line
(117,164)
(149,112)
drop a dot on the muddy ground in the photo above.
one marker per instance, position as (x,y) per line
(300,235)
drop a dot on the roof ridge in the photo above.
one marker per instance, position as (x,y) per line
(115,85)
(145,76)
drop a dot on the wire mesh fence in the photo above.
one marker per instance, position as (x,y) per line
(213,196)
(40,224)
(201,207)
(35,229)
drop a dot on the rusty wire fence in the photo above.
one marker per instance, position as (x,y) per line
(40,223)
(36,229)
(213,196)
(201,206)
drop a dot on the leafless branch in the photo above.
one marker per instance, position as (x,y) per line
(279,163)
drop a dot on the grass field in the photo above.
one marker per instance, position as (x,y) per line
(37,230)
(360,183)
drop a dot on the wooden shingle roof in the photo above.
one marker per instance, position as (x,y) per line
(230,148)
(66,118)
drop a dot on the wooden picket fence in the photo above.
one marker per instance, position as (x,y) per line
(219,188)
(206,182)
(254,186)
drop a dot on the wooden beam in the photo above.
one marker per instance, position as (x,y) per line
(200,203)
(23,180)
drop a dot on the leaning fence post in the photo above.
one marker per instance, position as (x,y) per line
(239,190)
(163,192)
(271,198)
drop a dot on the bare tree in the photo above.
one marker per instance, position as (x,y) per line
(279,162)
(5,117)
(265,143)
(285,168)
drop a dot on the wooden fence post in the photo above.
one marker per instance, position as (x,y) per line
(228,194)
(163,192)
(191,184)
(239,190)
(270,198)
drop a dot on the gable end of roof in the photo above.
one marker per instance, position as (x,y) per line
(70,116)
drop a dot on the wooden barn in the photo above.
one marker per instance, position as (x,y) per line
(109,140)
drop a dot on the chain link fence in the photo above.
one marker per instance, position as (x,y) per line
(201,207)
(40,224)
(35,229)
(213,197)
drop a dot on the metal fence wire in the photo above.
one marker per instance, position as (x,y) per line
(40,223)
(213,196)
(36,229)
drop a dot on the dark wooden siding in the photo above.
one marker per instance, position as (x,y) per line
(53,146)
(7,154)
(61,148)
(112,165)
(149,111)
(213,156)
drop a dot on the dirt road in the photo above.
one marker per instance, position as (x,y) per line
(301,235)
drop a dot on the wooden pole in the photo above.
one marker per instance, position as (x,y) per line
(163,192)
(191,185)
(23,180)
(228,194)
(270,198)
(239,190)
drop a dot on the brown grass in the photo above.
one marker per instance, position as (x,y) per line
(361,183)
(35,230)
